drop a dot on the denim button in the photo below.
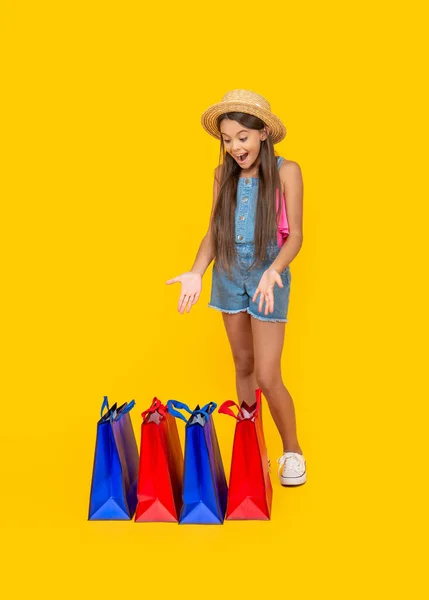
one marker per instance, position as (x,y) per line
(247,182)
(245,199)
(239,237)
(242,218)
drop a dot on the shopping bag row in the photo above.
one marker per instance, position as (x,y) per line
(163,485)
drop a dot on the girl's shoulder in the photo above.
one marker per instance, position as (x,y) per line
(290,172)
(289,168)
(285,162)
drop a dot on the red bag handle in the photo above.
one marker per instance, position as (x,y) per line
(226,410)
(258,400)
(156,405)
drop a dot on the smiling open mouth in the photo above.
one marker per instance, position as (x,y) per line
(242,157)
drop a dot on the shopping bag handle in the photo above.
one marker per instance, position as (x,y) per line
(206,410)
(111,413)
(258,393)
(173,404)
(125,410)
(156,405)
(226,410)
(104,405)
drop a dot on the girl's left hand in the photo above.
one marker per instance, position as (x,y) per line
(265,290)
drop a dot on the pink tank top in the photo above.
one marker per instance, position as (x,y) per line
(283,226)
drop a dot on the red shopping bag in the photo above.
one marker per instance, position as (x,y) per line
(250,491)
(159,488)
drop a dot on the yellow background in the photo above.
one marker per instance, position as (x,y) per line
(106,191)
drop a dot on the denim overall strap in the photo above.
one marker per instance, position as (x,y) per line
(245,212)
(247,196)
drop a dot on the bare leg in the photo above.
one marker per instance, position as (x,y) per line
(240,337)
(268,339)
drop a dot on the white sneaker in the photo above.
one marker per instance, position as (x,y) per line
(292,470)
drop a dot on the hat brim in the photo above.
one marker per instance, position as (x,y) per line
(210,116)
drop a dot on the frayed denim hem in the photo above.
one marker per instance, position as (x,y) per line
(267,319)
(228,312)
(235,312)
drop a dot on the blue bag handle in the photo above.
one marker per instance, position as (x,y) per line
(175,413)
(125,410)
(104,405)
(208,408)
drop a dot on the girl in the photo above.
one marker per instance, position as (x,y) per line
(254,233)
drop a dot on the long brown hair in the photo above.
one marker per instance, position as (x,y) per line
(223,226)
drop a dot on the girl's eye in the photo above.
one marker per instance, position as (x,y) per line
(241,140)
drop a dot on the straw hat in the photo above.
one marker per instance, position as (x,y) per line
(247,102)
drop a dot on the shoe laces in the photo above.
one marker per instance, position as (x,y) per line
(293,462)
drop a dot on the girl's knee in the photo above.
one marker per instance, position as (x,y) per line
(270,384)
(244,364)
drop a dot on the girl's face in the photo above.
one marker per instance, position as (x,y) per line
(241,142)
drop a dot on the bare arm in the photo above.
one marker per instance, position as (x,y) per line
(191,282)
(205,253)
(291,178)
(204,256)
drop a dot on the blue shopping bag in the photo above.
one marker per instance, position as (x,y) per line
(116,461)
(205,489)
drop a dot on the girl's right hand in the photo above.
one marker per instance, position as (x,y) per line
(190,292)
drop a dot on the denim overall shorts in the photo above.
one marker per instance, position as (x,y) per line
(234,295)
